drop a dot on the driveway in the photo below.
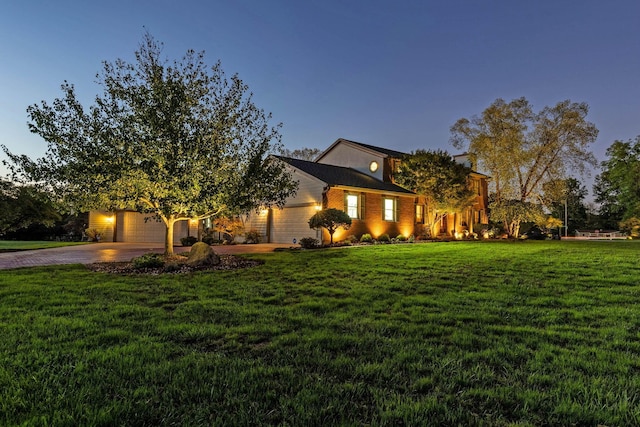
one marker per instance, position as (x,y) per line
(110,252)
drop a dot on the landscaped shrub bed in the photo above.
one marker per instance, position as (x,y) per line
(460,333)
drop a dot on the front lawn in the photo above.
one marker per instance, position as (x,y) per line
(460,333)
(24,245)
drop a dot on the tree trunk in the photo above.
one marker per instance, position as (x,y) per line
(168,236)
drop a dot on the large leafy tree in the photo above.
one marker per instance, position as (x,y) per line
(617,188)
(437,177)
(174,140)
(522,149)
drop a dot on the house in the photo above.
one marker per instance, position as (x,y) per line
(354,177)
(358,178)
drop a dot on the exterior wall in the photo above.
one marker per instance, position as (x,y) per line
(373,222)
(291,222)
(351,157)
(104,222)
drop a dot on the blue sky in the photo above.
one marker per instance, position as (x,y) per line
(396,74)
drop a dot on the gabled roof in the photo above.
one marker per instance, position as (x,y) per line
(385,152)
(341,176)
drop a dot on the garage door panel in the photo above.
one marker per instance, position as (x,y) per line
(292,223)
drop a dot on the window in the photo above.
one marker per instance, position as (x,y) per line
(419,214)
(353,206)
(388,209)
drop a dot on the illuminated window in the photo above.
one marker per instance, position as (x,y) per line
(388,209)
(352,205)
(419,214)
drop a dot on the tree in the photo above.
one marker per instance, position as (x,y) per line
(522,150)
(617,188)
(512,213)
(437,177)
(570,194)
(308,154)
(331,219)
(23,206)
(175,141)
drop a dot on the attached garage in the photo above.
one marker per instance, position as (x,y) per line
(132,227)
(292,223)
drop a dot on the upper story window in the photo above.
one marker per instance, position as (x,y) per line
(389,208)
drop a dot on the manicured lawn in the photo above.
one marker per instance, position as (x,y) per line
(504,333)
(20,245)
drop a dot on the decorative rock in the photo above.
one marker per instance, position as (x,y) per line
(202,254)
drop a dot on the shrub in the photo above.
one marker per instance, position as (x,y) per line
(150,260)
(384,238)
(351,239)
(208,240)
(93,234)
(253,236)
(366,238)
(411,239)
(188,241)
(401,238)
(172,267)
(202,254)
(309,243)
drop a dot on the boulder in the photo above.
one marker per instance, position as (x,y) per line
(202,254)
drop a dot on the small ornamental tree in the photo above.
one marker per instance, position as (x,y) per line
(331,219)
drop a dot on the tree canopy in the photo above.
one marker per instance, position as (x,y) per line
(437,177)
(305,153)
(23,206)
(617,187)
(522,150)
(176,141)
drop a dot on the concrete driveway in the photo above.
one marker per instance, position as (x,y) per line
(110,252)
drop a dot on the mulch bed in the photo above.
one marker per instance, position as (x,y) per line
(175,265)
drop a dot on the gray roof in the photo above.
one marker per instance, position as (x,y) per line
(338,175)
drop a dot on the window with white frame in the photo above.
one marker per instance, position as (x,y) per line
(389,209)
(352,205)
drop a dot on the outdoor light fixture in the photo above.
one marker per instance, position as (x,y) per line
(318,207)
(373,166)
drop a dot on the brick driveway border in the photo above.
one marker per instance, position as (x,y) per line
(110,252)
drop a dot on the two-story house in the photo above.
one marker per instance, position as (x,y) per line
(358,178)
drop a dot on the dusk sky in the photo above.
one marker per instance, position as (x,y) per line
(393,74)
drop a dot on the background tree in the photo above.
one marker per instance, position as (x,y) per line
(617,188)
(308,154)
(24,206)
(522,150)
(176,141)
(571,191)
(331,219)
(437,177)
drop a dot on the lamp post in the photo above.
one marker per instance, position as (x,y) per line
(566,219)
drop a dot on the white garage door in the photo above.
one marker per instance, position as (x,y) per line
(292,223)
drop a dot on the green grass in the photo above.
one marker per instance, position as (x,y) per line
(503,333)
(24,245)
